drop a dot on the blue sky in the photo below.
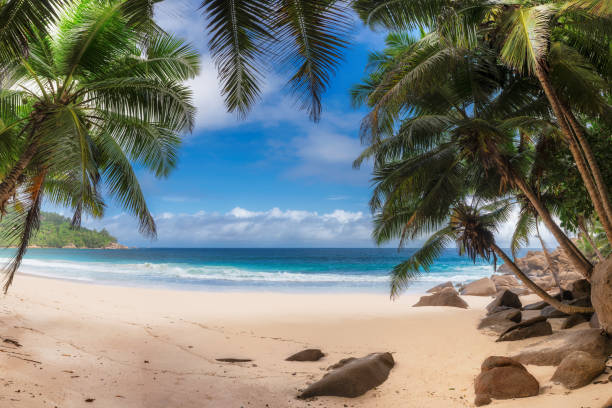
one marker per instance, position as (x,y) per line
(273,180)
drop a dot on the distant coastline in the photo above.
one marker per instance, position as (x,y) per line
(112,245)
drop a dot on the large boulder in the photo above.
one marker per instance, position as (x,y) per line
(552,313)
(601,293)
(306,355)
(481,287)
(573,320)
(578,369)
(504,281)
(499,322)
(553,349)
(530,328)
(352,377)
(506,298)
(446,297)
(580,288)
(438,288)
(536,306)
(503,378)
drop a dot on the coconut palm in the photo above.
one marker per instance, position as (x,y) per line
(303,37)
(90,100)
(474,111)
(471,227)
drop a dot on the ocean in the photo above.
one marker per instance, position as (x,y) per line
(285,270)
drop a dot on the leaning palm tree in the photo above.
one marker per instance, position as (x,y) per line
(91,99)
(563,44)
(471,109)
(471,227)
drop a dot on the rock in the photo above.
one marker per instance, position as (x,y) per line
(69,246)
(524,330)
(505,299)
(580,288)
(578,369)
(573,320)
(233,360)
(607,404)
(569,276)
(481,287)
(501,321)
(504,280)
(535,306)
(553,349)
(503,378)
(446,297)
(115,245)
(550,311)
(441,286)
(584,301)
(601,293)
(594,322)
(307,355)
(352,378)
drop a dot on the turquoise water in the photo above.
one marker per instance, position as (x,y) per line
(244,269)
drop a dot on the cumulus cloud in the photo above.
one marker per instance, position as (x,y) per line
(241,227)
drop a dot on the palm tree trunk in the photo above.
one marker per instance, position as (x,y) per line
(590,158)
(565,308)
(7,187)
(576,257)
(587,236)
(551,265)
(589,183)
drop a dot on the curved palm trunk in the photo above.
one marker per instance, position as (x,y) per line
(7,187)
(565,308)
(576,257)
(590,158)
(549,261)
(594,193)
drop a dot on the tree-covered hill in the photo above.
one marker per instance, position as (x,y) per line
(56,232)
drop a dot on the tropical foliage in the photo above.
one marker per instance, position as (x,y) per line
(56,231)
(484,106)
(98,91)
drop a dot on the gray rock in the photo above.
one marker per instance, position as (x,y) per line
(580,288)
(578,369)
(530,328)
(551,312)
(501,321)
(535,306)
(352,377)
(446,297)
(573,320)
(503,378)
(594,322)
(506,298)
(441,286)
(553,349)
(481,287)
(307,355)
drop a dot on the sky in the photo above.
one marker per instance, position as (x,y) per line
(275,179)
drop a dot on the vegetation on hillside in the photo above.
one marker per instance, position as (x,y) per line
(57,231)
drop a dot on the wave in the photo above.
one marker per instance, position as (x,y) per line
(139,272)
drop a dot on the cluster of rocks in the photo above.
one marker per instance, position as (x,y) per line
(536,266)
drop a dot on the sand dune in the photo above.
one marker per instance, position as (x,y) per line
(130,347)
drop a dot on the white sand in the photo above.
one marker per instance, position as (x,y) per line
(128,347)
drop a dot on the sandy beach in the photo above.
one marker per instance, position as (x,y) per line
(132,347)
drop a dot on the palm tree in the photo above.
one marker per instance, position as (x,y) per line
(564,44)
(472,111)
(303,37)
(471,227)
(89,100)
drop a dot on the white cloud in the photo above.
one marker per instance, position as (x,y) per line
(241,227)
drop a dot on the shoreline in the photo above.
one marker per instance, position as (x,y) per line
(157,348)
